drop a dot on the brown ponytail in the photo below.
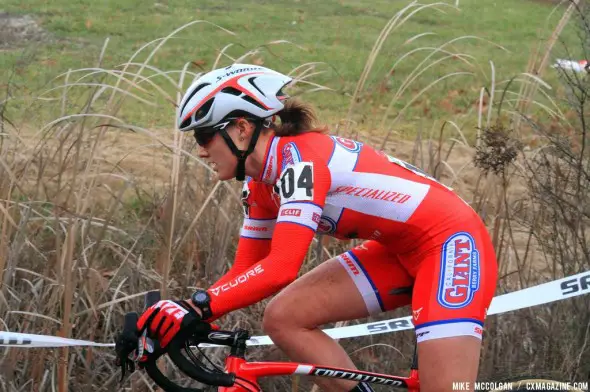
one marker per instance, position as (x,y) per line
(296,118)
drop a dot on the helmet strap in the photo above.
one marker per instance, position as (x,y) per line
(242,154)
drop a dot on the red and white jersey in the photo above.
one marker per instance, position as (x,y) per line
(327,184)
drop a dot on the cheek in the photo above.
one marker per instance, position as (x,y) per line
(223,156)
(217,150)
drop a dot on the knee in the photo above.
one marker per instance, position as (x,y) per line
(282,317)
(275,318)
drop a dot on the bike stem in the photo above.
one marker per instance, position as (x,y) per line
(238,350)
(234,362)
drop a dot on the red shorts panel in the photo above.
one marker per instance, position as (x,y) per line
(449,286)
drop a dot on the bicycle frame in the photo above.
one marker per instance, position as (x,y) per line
(241,375)
(251,371)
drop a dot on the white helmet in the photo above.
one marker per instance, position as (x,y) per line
(237,90)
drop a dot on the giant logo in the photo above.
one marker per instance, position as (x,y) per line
(327,225)
(350,145)
(290,155)
(459,271)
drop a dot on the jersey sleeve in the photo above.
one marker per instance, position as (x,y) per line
(300,192)
(257,229)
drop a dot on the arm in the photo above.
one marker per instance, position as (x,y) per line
(250,250)
(303,188)
(256,232)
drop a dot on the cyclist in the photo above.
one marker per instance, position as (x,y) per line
(424,246)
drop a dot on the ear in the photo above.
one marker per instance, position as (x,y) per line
(245,127)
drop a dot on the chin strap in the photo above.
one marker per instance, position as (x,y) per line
(242,154)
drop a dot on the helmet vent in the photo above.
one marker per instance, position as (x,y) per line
(253,101)
(232,91)
(281,95)
(196,90)
(204,109)
(251,80)
(185,123)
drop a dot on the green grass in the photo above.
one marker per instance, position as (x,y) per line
(339,34)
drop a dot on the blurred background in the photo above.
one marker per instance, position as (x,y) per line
(101,199)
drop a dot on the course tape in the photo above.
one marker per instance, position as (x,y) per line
(557,290)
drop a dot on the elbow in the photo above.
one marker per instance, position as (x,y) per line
(287,276)
(285,280)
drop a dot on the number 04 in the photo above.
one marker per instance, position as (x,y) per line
(296,182)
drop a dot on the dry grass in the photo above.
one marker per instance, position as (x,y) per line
(95,211)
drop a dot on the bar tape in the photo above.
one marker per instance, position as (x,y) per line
(557,290)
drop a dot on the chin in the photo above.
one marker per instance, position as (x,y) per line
(225,176)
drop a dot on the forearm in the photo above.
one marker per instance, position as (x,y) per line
(249,252)
(263,278)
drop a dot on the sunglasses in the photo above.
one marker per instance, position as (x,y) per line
(203,136)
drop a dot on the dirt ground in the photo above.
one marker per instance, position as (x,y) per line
(19,31)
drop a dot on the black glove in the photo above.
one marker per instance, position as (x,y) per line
(126,343)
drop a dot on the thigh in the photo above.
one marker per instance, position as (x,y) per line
(379,277)
(442,362)
(350,286)
(323,295)
(454,285)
